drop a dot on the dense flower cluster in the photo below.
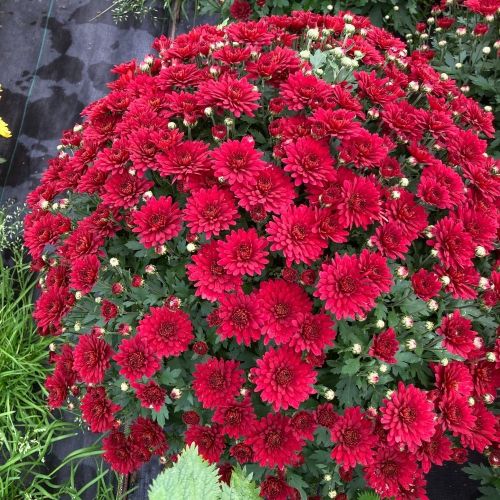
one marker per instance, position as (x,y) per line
(224,246)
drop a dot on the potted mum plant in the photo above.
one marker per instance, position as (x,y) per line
(275,240)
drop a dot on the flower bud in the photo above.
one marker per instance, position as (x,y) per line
(488,398)
(429,326)
(383,368)
(175,393)
(411,344)
(356,349)
(191,247)
(432,305)
(407,322)
(150,269)
(78,295)
(402,272)
(471,401)
(329,394)
(305,54)
(444,361)
(124,386)
(171,125)
(480,251)
(349,28)
(486,50)
(373,378)
(78,326)
(114,262)
(380,323)
(327,478)
(313,33)
(332,494)
(484,283)
(491,357)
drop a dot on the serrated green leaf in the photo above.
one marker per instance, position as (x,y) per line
(368,495)
(241,487)
(351,366)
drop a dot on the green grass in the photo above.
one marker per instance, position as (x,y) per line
(27,427)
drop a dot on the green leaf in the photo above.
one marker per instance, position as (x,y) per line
(190,477)
(479,472)
(241,488)
(368,495)
(351,366)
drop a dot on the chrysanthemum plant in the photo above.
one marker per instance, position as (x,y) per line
(276,240)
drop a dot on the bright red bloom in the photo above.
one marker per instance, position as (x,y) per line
(390,470)
(344,289)
(238,161)
(150,394)
(334,122)
(208,439)
(312,332)
(408,417)
(97,410)
(120,452)
(454,377)
(354,439)
(426,285)
(210,279)
(453,244)
(363,149)
(241,10)
(281,303)
(57,388)
(484,431)
(50,309)
(304,424)
(150,436)
(230,94)
(456,414)
(359,203)
(243,253)
(308,161)
(304,91)
(374,267)
(295,232)
(274,442)
(405,120)
(237,418)
(84,273)
(436,451)
(167,332)
(157,221)
(457,333)
(411,216)
(217,381)
(283,379)
(136,358)
(272,191)
(91,358)
(391,240)
(483,7)
(109,310)
(210,211)
(241,317)
(122,190)
(384,346)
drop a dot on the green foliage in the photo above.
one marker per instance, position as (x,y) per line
(488,477)
(368,495)
(193,478)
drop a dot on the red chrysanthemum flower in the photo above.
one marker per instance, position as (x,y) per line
(411,216)
(150,436)
(157,221)
(484,432)
(97,410)
(243,253)
(84,273)
(308,161)
(455,376)
(109,310)
(237,418)
(280,303)
(304,91)
(304,424)
(344,289)
(390,470)
(57,387)
(274,442)
(91,358)
(120,452)
(167,331)
(210,279)
(217,381)
(241,317)
(354,438)
(426,285)
(391,241)
(374,267)
(51,307)
(359,202)
(364,149)
(238,161)
(384,346)
(295,232)
(454,246)
(242,453)
(325,415)
(408,417)
(208,439)
(273,191)
(456,414)
(458,334)
(150,394)
(436,451)
(122,190)
(230,94)
(136,358)
(276,488)
(210,211)
(312,332)
(283,379)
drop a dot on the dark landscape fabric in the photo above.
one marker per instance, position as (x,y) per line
(56,59)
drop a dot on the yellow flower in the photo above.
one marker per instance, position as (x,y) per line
(4,129)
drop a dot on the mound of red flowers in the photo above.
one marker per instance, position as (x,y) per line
(276,240)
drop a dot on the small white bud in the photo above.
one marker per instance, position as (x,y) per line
(147,195)
(444,77)
(191,247)
(356,348)
(114,262)
(395,195)
(44,204)
(380,323)
(171,125)
(347,18)
(458,65)
(402,272)
(404,181)
(175,393)
(426,88)
(329,394)
(389,394)
(327,478)
(55,206)
(432,305)
(349,28)
(444,361)
(411,344)
(383,368)
(373,378)
(413,86)
(423,36)
(488,399)
(442,43)
(150,269)
(228,122)
(396,8)
(484,283)
(52,347)
(124,386)
(480,251)
(429,326)
(488,109)
(78,326)
(407,322)
(486,50)
(98,300)
(332,494)
(431,20)
(478,342)
(338,52)
(491,357)
(434,252)
(313,33)
(161,250)
(77,128)
(461,31)
(305,54)
(78,295)
(471,401)
(329,7)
